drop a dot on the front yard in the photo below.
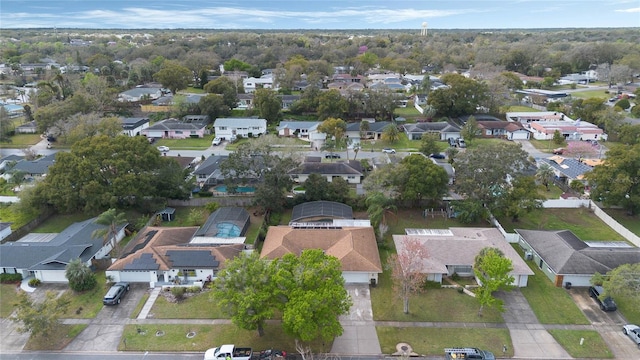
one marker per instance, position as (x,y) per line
(8,297)
(199,306)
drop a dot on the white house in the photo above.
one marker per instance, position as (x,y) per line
(227,128)
(300,129)
(252,84)
(134,126)
(45,256)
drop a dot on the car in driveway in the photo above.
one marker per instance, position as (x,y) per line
(163,148)
(332,156)
(116,293)
(632,331)
(216,141)
(437,156)
(389,151)
(558,151)
(272,354)
(605,303)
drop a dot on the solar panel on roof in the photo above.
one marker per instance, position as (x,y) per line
(192,258)
(144,262)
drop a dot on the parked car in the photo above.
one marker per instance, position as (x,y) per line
(437,156)
(632,331)
(163,148)
(607,303)
(461,143)
(272,354)
(332,156)
(115,293)
(389,151)
(558,151)
(216,141)
(468,353)
(453,142)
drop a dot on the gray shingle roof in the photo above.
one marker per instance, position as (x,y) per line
(298,125)
(440,126)
(175,124)
(377,126)
(337,168)
(235,122)
(566,254)
(36,167)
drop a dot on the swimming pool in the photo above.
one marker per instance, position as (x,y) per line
(239,189)
(227,230)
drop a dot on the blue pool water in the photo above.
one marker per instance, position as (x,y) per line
(240,189)
(227,230)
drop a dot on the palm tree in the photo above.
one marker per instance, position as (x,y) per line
(391,133)
(112,219)
(378,205)
(544,174)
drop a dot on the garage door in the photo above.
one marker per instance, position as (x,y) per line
(135,276)
(355,277)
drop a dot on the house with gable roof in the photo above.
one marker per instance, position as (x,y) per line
(445,129)
(45,256)
(228,128)
(566,170)
(175,129)
(300,129)
(503,129)
(32,169)
(134,126)
(350,171)
(565,259)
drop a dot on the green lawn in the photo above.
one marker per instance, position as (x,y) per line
(200,306)
(519,108)
(408,112)
(552,305)
(208,336)
(140,305)
(21,140)
(191,90)
(87,304)
(581,221)
(632,223)
(592,347)
(545,145)
(432,341)
(182,216)
(8,297)
(16,215)
(57,223)
(629,309)
(187,144)
(554,192)
(585,94)
(57,340)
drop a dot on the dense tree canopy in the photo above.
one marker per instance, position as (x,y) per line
(101,172)
(493,269)
(421,179)
(462,97)
(174,76)
(40,319)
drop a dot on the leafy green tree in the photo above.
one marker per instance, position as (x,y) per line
(338,190)
(41,319)
(451,153)
(407,270)
(316,187)
(311,292)
(470,211)
(331,104)
(271,193)
(429,144)
(617,180)
(493,269)
(621,282)
(544,174)
(391,134)
(463,96)
(101,172)
(228,88)
(268,105)
(587,109)
(520,198)
(244,291)
(174,76)
(483,172)
(470,130)
(112,219)
(629,134)
(422,179)
(80,276)
(335,129)
(236,65)
(378,206)
(214,106)
(558,139)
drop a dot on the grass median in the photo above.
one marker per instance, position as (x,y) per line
(593,346)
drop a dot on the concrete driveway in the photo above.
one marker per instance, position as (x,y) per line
(359,336)
(105,330)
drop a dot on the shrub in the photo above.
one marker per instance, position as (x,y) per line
(460,289)
(10,278)
(205,194)
(455,276)
(274,218)
(193,289)
(623,104)
(34,282)
(178,292)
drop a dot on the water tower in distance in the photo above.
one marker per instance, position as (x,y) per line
(423,32)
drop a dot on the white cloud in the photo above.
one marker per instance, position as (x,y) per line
(631,10)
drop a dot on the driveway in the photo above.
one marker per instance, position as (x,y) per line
(105,330)
(359,336)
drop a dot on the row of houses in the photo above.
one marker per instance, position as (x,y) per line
(161,256)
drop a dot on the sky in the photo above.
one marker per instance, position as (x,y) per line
(318,14)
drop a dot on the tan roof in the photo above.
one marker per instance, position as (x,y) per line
(355,247)
(461,246)
(164,239)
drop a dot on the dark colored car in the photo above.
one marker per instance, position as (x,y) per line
(115,293)
(607,303)
(558,151)
(332,156)
(272,354)
(437,156)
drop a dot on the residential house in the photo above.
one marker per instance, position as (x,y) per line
(252,84)
(570,130)
(288,100)
(134,126)
(175,129)
(320,211)
(12,110)
(45,256)
(245,101)
(568,261)
(165,102)
(453,251)
(444,129)
(566,170)
(29,128)
(32,169)
(299,129)
(9,161)
(227,225)
(354,246)
(165,256)
(141,93)
(228,128)
(350,171)
(504,130)
(375,131)
(199,119)
(208,173)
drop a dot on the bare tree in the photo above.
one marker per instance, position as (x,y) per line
(407,270)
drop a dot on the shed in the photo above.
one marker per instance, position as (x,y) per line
(168,214)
